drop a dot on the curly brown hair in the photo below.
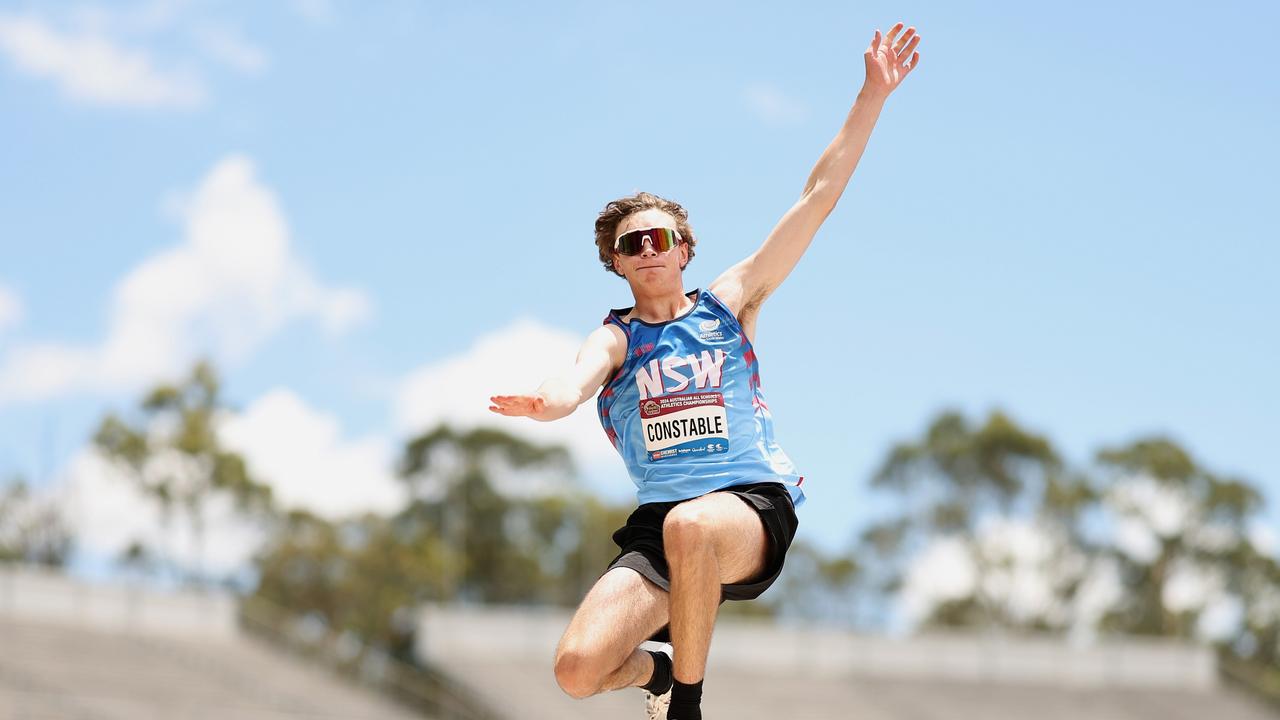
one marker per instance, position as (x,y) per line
(617,210)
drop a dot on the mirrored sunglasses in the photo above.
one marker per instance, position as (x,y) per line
(662,240)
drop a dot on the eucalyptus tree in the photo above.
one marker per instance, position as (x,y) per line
(32,528)
(170,450)
(471,489)
(1183,543)
(993,504)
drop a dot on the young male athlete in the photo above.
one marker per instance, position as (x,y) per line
(680,399)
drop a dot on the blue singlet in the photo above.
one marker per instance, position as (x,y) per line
(685,410)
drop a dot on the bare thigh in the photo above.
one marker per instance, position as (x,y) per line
(733,529)
(621,611)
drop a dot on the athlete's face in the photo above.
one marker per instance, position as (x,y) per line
(650,265)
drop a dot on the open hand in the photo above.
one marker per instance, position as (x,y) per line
(890,59)
(517,405)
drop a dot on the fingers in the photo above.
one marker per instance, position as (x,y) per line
(875,44)
(516,405)
(905,52)
(902,41)
(893,33)
(915,60)
(503,404)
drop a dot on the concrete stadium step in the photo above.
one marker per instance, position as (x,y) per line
(761,671)
(738,695)
(61,673)
(525,691)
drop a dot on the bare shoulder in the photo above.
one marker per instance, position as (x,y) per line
(609,340)
(609,333)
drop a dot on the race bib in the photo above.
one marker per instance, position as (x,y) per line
(684,425)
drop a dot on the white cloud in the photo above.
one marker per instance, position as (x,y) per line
(1188,587)
(1202,590)
(337,309)
(91,67)
(1023,568)
(296,450)
(1220,620)
(109,512)
(1100,591)
(42,370)
(10,309)
(513,359)
(301,454)
(774,107)
(943,571)
(229,47)
(316,12)
(230,285)
(1024,564)
(1136,540)
(1148,511)
(1264,538)
(1166,510)
(146,17)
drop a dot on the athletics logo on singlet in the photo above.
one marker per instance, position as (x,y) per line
(710,330)
(683,425)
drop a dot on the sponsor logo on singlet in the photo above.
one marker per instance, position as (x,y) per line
(684,425)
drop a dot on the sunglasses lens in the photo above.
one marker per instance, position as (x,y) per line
(628,244)
(632,243)
(664,239)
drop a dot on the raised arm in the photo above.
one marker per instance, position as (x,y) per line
(561,394)
(745,286)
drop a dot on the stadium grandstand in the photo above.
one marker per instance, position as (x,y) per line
(74,650)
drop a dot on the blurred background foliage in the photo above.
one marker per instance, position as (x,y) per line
(986,525)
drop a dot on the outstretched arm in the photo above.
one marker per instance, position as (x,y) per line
(745,286)
(561,394)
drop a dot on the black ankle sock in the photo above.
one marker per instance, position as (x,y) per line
(686,701)
(661,680)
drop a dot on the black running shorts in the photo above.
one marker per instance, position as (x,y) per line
(641,538)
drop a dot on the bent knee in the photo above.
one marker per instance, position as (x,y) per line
(686,526)
(577,674)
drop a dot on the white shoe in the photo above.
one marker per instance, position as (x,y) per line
(656,705)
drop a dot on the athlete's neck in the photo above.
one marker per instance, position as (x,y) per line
(660,308)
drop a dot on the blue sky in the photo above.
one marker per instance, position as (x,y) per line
(1067,213)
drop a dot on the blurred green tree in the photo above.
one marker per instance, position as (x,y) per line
(1184,540)
(1145,541)
(354,574)
(974,486)
(454,477)
(172,454)
(1190,560)
(491,518)
(32,528)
